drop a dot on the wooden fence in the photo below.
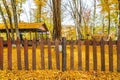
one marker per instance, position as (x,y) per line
(64,43)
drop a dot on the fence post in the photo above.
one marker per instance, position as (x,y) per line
(26,54)
(118,55)
(18,54)
(71,55)
(9,54)
(87,54)
(57,54)
(102,55)
(110,55)
(42,54)
(49,54)
(34,54)
(1,53)
(63,54)
(79,55)
(94,55)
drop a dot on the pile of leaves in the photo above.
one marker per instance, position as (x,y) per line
(57,75)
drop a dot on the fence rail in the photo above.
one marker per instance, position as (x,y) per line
(64,43)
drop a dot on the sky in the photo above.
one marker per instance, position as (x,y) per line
(27,7)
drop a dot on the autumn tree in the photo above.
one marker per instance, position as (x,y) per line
(94,16)
(38,12)
(119,18)
(13,4)
(109,11)
(5,22)
(9,17)
(56,19)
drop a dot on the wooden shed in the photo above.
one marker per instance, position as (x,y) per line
(28,30)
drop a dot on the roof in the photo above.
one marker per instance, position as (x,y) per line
(41,26)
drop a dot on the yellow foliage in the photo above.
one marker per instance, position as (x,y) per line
(39,2)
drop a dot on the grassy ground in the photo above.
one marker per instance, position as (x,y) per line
(58,75)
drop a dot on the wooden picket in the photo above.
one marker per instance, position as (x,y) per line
(34,54)
(118,55)
(1,53)
(94,55)
(87,54)
(49,54)
(79,55)
(110,55)
(57,54)
(18,47)
(26,55)
(42,54)
(71,55)
(102,45)
(9,54)
(64,54)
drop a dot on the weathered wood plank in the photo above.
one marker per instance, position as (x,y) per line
(71,55)
(26,55)
(57,54)
(9,54)
(42,54)
(34,54)
(110,55)
(94,55)
(63,54)
(49,54)
(87,54)
(102,45)
(1,53)
(79,55)
(118,55)
(19,65)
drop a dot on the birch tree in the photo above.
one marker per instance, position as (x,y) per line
(5,23)
(13,4)
(9,17)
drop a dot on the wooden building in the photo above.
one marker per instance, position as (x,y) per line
(28,30)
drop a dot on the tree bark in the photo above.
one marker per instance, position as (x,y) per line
(56,19)
(13,3)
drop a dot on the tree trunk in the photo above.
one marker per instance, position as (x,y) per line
(109,23)
(77,11)
(56,19)
(119,19)
(5,23)
(94,17)
(103,28)
(13,3)
(9,17)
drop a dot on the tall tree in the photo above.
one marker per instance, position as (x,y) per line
(94,17)
(56,19)
(9,17)
(5,23)
(13,3)
(119,19)
(74,8)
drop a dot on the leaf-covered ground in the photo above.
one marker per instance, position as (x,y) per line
(58,75)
